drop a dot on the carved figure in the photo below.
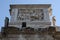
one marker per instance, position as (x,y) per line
(53,20)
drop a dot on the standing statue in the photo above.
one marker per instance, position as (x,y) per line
(50,11)
(53,20)
(6,21)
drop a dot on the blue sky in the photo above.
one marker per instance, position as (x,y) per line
(4,8)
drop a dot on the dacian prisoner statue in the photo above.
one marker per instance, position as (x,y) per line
(53,20)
